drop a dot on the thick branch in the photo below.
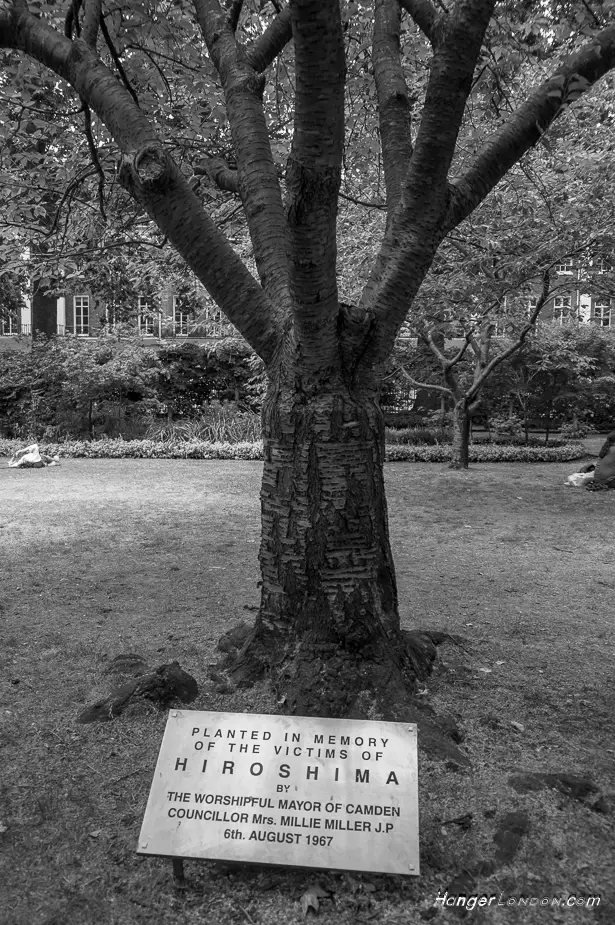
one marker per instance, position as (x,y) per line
(313,178)
(257,181)
(450,82)
(273,40)
(393,105)
(234,14)
(155,182)
(152,177)
(526,126)
(91,21)
(417,227)
(425,16)
(219,173)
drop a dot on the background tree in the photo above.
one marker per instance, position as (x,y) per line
(328,625)
(497,273)
(561,371)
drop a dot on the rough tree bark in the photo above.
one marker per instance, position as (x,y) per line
(328,628)
(329,606)
(462,424)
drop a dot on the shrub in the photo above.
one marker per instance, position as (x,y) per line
(217,424)
(417,436)
(402,419)
(531,441)
(185,449)
(509,426)
(574,431)
(480,453)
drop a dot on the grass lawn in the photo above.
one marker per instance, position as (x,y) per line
(103,557)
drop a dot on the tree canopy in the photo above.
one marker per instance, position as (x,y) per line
(214,93)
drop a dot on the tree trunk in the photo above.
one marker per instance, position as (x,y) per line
(548,424)
(328,628)
(461,436)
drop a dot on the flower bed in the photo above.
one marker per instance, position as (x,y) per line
(198,449)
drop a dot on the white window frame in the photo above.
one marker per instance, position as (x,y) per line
(565,267)
(146,319)
(11,326)
(82,328)
(180,320)
(560,303)
(602,313)
(532,302)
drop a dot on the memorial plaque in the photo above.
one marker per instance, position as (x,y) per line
(292,790)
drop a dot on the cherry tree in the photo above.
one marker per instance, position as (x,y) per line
(328,628)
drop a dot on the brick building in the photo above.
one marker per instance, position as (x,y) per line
(581,293)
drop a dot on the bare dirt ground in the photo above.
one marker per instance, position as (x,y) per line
(103,557)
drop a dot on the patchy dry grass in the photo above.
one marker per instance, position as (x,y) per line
(101,557)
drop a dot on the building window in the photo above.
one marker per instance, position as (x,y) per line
(147,322)
(562,308)
(601,314)
(532,302)
(82,314)
(600,265)
(564,267)
(10,326)
(180,320)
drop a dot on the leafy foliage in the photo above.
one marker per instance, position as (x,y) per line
(564,371)
(198,449)
(73,384)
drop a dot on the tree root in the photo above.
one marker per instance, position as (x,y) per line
(312,679)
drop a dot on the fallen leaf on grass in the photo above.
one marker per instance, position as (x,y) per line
(464,822)
(3,828)
(519,726)
(95,833)
(311,897)
(485,670)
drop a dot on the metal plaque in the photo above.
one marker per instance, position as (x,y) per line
(292,790)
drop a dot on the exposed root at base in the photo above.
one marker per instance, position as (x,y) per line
(327,681)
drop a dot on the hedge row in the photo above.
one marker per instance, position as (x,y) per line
(180,449)
(486,453)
